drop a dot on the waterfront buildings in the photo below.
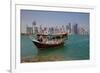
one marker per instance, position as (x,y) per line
(29,30)
(75,28)
(70,28)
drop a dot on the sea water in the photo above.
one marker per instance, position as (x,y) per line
(76,47)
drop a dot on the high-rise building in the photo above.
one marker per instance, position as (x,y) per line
(75,28)
(68,28)
(35,28)
(29,30)
(69,25)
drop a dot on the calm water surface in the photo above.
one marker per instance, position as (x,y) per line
(75,48)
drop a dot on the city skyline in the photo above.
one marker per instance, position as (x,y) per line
(53,18)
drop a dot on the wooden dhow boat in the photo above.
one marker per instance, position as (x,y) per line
(49,40)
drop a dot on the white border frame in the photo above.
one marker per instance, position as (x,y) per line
(15,38)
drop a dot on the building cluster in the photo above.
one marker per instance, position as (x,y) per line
(76,29)
(71,29)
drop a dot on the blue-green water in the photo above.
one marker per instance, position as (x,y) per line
(75,48)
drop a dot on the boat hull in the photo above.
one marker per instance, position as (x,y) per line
(44,45)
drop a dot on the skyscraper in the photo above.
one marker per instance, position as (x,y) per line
(75,28)
(69,25)
(29,30)
(35,28)
(68,28)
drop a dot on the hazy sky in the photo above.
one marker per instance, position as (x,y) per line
(51,18)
